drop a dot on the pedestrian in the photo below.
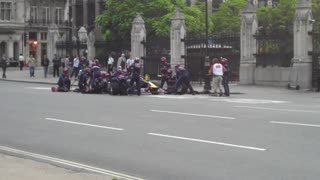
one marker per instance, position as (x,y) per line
(216,70)
(122,61)
(45,64)
(32,64)
(225,78)
(4,63)
(56,65)
(129,62)
(182,76)
(76,64)
(164,70)
(135,75)
(110,63)
(21,61)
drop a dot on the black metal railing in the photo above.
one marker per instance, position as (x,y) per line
(315,53)
(274,49)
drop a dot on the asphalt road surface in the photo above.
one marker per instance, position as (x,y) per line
(264,134)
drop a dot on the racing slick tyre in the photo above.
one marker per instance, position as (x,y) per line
(114,88)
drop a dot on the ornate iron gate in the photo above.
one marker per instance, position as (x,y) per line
(200,52)
(315,53)
(156,49)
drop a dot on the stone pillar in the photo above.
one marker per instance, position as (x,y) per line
(98,31)
(38,57)
(74,18)
(138,35)
(10,48)
(177,33)
(301,71)
(52,38)
(209,7)
(90,45)
(85,13)
(249,27)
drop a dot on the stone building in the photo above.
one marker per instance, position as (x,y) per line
(25,26)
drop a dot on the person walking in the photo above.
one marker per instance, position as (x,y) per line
(21,61)
(225,78)
(122,61)
(4,63)
(45,64)
(56,65)
(217,71)
(32,64)
(110,63)
(76,64)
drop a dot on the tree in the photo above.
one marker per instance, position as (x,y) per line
(316,14)
(278,19)
(227,18)
(117,18)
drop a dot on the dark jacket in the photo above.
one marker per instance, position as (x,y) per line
(56,61)
(45,62)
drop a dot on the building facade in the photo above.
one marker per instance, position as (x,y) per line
(25,26)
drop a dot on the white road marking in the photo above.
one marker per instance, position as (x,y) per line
(273,109)
(248,101)
(208,142)
(84,124)
(295,124)
(39,88)
(69,163)
(189,114)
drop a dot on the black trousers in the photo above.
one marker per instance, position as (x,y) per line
(4,69)
(55,70)
(75,71)
(225,82)
(135,79)
(164,79)
(21,65)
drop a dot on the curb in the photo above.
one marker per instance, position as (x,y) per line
(33,82)
(64,163)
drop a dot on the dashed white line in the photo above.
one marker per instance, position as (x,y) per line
(190,114)
(274,109)
(294,124)
(84,124)
(208,142)
(67,163)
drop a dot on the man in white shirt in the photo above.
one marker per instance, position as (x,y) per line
(110,63)
(21,61)
(129,62)
(76,63)
(217,71)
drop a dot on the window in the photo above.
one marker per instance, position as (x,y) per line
(46,15)
(58,16)
(34,14)
(44,36)
(5,11)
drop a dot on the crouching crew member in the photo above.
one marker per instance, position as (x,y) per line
(64,82)
(83,81)
(182,76)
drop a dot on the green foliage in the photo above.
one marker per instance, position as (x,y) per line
(227,18)
(316,14)
(278,19)
(119,14)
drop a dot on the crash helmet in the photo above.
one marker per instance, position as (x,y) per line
(163,60)
(136,60)
(87,70)
(119,68)
(169,72)
(103,74)
(215,60)
(65,70)
(224,61)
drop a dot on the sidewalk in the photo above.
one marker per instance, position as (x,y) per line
(12,168)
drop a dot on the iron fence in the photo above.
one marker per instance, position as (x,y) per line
(315,53)
(274,49)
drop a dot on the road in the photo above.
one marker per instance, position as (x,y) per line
(264,134)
